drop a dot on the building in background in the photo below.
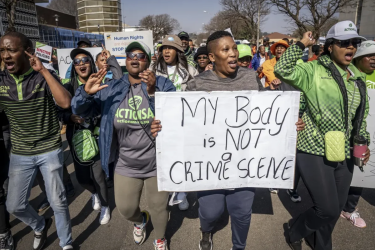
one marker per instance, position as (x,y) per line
(99,16)
(366,25)
(26,20)
(48,17)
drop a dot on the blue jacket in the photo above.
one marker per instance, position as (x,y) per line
(256,61)
(106,102)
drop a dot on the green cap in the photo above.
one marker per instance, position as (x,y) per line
(244,50)
(139,45)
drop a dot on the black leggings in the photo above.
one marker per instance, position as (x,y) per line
(328,184)
(353,198)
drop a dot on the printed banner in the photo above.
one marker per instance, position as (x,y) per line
(43,51)
(367,178)
(65,61)
(116,42)
(224,140)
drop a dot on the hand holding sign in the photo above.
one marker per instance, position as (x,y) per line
(35,63)
(92,86)
(149,78)
(155,127)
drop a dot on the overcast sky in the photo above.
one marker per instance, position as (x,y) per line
(189,13)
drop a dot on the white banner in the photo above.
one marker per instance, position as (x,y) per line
(65,61)
(43,51)
(367,178)
(116,42)
(223,140)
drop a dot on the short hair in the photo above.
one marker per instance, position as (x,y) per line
(286,40)
(25,41)
(215,36)
(97,57)
(190,40)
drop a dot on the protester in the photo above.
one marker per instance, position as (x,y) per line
(226,76)
(316,49)
(245,55)
(135,162)
(172,63)
(184,37)
(82,43)
(364,60)
(331,86)
(6,238)
(108,62)
(277,50)
(203,62)
(89,174)
(258,60)
(191,45)
(36,149)
(267,46)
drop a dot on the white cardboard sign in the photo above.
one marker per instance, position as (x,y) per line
(224,140)
(367,178)
(65,61)
(116,42)
(43,51)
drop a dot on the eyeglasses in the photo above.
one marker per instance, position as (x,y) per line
(84,60)
(202,57)
(346,43)
(140,56)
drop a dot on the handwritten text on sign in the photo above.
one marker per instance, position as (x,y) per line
(223,140)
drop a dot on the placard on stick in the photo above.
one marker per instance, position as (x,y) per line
(223,140)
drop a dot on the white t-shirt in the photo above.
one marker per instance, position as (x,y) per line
(177,79)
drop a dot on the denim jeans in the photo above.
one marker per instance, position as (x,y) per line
(22,173)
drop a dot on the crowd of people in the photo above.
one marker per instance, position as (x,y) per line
(108,118)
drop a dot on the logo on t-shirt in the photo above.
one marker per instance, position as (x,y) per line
(137,100)
(370,84)
(134,115)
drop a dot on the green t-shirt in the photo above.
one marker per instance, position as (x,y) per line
(370,80)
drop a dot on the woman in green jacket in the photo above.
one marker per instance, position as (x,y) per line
(336,100)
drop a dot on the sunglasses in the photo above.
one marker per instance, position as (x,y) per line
(84,60)
(346,43)
(140,56)
(202,57)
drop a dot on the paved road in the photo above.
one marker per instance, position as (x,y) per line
(270,212)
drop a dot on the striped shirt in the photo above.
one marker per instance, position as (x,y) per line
(28,103)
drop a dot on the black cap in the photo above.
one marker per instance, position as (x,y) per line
(78,51)
(201,51)
(183,34)
(266,39)
(84,40)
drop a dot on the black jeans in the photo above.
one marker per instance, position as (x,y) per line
(4,167)
(328,184)
(353,198)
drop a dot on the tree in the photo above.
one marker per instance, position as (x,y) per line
(246,11)
(65,6)
(311,15)
(10,7)
(161,25)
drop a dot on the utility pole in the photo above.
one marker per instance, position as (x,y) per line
(258,25)
(358,14)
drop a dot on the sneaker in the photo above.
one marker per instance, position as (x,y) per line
(294,196)
(96,202)
(6,241)
(105,215)
(206,241)
(274,191)
(184,205)
(161,244)
(68,247)
(69,189)
(41,238)
(354,218)
(44,205)
(297,245)
(139,232)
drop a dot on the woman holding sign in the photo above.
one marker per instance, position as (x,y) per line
(335,117)
(226,76)
(127,109)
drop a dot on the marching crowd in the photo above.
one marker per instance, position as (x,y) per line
(108,117)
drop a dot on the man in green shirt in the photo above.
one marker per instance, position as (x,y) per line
(29,94)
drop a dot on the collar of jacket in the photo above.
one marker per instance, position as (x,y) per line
(188,51)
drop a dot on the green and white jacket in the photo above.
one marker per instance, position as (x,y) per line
(332,101)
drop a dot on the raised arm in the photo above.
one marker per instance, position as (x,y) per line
(60,94)
(287,70)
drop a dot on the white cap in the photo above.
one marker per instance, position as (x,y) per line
(343,31)
(366,48)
